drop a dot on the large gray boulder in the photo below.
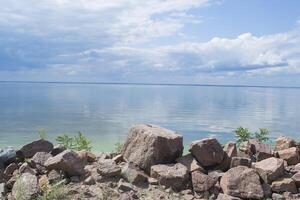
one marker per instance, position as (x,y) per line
(67,161)
(208,152)
(29,150)
(270,169)
(148,145)
(242,182)
(175,176)
(25,187)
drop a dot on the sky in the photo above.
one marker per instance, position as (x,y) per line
(240,42)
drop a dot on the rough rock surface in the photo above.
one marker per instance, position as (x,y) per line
(284,185)
(39,159)
(190,162)
(148,145)
(29,150)
(202,182)
(284,143)
(240,161)
(26,187)
(270,169)
(242,182)
(67,161)
(175,176)
(290,155)
(208,152)
(133,174)
(296,178)
(108,168)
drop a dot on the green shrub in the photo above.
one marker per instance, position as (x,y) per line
(78,143)
(118,147)
(42,133)
(243,135)
(56,191)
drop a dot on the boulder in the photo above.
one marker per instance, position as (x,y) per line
(230,151)
(7,155)
(25,187)
(190,162)
(29,150)
(226,197)
(133,174)
(208,152)
(284,143)
(202,182)
(284,185)
(296,178)
(108,168)
(57,149)
(67,161)
(242,182)
(270,169)
(240,161)
(291,155)
(39,159)
(148,145)
(175,176)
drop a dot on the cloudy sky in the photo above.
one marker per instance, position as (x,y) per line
(251,42)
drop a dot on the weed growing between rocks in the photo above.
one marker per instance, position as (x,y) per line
(78,143)
(243,135)
(56,191)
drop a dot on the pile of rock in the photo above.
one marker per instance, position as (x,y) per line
(151,166)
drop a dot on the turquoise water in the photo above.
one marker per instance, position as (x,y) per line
(104,112)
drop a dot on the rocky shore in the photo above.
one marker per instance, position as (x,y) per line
(151,166)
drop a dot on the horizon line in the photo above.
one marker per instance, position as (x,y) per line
(162,84)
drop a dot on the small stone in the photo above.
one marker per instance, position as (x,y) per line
(208,152)
(152,181)
(270,169)
(291,155)
(240,161)
(29,150)
(89,181)
(284,185)
(175,176)
(108,168)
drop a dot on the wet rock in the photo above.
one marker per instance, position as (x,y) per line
(284,143)
(240,161)
(26,185)
(202,182)
(175,176)
(57,149)
(67,161)
(291,155)
(108,168)
(190,162)
(226,197)
(39,159)
(7,155)
(148,145)
(133,174)
(208,152)
(242,182)
(284,185)
(29,150)
(270,169)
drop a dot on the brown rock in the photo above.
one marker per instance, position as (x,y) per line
(39,159)
(242,182)
(284,185)
(202,182)
(263,151)
(67,161)
(133,174)
(240,161)
(108,168)
(226,197)
(175,176)
(208,152)
(148,145)
(87,156)
(284,143)
(270,169)
(29,150)
(190,162)
(291,155)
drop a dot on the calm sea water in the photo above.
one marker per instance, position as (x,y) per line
(105,112)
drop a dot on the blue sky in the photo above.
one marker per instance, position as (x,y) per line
(251,42)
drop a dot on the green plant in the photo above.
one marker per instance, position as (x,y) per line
(243,135)
(262,135)
(42,133)
(21,193)
(118,147)
(78,143)
(56,191)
